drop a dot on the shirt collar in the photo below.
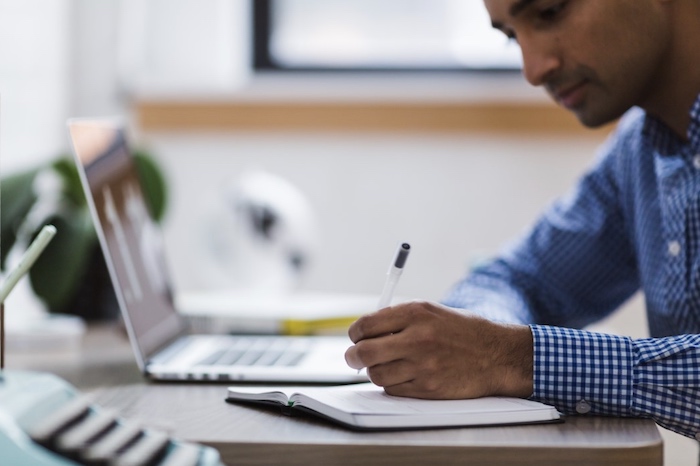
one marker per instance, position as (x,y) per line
(665,140)
(694,127)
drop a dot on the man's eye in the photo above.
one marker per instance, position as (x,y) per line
(552,12)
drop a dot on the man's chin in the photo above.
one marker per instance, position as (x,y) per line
(594,120)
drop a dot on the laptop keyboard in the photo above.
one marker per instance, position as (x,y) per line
(253,351)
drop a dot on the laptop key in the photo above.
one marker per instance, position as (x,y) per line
(248,358)
(212,358)
(230,357)
(269,358)
(290,358)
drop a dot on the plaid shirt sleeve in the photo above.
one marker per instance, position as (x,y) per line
(581,372)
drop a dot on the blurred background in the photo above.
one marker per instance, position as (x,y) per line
(370,122)
(389,120)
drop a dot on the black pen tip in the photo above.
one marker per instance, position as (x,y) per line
(402,256)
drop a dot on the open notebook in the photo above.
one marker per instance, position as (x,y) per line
(132,245)
(368,407)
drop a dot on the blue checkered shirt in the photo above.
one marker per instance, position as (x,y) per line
(632,222)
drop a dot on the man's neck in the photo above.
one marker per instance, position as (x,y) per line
(678,85)
(674,104)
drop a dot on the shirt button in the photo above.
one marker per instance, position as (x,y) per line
(583,406)
(674,248)
(696,161)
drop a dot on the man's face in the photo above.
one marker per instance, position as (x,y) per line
(596,58)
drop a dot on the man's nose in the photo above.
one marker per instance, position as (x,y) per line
(539,63)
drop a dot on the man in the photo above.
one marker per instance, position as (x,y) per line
(632,222)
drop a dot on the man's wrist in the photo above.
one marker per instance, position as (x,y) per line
(516,362)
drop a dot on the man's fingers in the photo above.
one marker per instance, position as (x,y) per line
(385,321)
(405,389)
(352,359)
(374,351)
(392,373)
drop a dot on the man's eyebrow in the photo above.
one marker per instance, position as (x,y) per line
(517,7)
(514,10)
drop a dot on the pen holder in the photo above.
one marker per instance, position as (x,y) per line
(2,336)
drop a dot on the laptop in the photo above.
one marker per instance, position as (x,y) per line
(132,245)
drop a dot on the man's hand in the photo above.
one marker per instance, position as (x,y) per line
(425,350)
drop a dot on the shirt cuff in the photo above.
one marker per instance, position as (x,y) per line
(583,372)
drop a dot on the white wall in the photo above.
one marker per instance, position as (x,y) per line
(95,85)
(34,80)
(451,196)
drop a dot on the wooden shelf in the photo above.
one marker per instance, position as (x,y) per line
(518,118)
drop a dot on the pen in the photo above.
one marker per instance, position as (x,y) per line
(392,276)
(30,256)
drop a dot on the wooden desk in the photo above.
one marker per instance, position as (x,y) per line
(253,436)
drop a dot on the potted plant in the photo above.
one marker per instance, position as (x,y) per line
(70,277)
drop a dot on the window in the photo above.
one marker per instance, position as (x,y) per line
(379,35)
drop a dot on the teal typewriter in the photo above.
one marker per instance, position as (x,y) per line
(44,421)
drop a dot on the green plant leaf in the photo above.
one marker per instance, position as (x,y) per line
(153,182)
(16,198)
(58,272)
(72,187)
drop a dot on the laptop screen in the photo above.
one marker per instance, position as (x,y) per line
(131,241)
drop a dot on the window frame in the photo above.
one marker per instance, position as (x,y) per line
(261,30)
